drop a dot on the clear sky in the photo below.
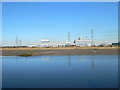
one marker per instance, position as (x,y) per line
(31,21)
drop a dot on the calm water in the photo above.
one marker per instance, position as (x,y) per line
(76,71)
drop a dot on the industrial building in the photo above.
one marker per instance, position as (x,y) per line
(47,43)
(52,44)
(79,42)
(83,42)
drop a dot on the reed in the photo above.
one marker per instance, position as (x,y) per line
(26,55)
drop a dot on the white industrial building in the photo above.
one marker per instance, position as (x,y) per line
(52,44)
(47,43)
(83,42)
(79,42)
(102,43)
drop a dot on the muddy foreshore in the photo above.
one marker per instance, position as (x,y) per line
(60,51)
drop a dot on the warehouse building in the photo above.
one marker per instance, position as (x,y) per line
(83,42)
(47,43)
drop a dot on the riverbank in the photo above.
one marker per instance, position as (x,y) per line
(60,51)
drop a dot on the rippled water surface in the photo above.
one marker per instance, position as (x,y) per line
(75,71)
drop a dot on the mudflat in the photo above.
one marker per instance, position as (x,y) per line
(60,51)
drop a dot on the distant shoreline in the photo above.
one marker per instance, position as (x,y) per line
(60,51)
(51,48)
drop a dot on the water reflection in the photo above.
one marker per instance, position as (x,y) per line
(44,58)
(68,59)
(72,71)
(26,60)
(17,60)
(93,62)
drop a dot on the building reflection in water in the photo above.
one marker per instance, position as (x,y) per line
(69,61)
(17,60)
(44,58)
(93,62)
(27,61)
(81,59)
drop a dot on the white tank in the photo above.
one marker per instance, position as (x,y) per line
(45,40)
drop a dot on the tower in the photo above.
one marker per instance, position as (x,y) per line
(16,41)
(20,42)
(92,37)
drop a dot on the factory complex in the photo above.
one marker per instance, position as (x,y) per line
(80,42)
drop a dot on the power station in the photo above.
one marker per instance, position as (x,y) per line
(79,42)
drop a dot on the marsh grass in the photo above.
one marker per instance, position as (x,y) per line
(26,55)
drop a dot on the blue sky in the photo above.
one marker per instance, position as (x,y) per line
(31,21)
